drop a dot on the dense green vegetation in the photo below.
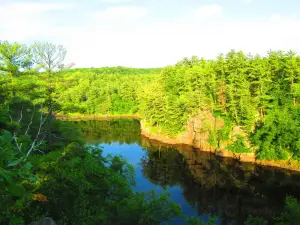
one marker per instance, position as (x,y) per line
(41,157)
(258,94)
(45,168)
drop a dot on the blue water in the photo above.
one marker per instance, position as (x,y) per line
(201,183)
(133,154)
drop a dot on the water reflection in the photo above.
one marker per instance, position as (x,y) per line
(123,131)
(220,186)
(212,185)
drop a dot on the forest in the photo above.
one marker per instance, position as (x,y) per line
(258,94)
(42,157)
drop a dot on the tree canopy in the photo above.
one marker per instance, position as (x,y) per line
(40,156)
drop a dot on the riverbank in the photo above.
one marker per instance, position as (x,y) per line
(183,139)
(180,140)
(98,117)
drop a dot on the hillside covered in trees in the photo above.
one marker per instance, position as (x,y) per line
(259,94)
(40,156)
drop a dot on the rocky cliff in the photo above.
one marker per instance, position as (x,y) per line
(198,133)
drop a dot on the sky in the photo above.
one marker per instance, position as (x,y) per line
(152,33)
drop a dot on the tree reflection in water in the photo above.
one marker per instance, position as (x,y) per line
(219,186)
(216,186)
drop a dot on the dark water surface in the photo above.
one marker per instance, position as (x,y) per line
(201,183)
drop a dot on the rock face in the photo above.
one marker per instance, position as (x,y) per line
(197,134)
(46,221)
(198,131)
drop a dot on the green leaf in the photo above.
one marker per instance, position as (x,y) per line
(7,175)
(16,221)
(27,167)
(6,137)
(19,204)
(16,190)
(15,162)
(28,176)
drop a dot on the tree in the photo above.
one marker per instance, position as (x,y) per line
(291,70)
(48,56)
(14,57)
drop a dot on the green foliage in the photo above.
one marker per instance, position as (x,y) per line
(101,94)
(99,187)
(259,94)
(120,70)
(291,214)
(137,209)
(197,221)
(35,185)
(213,139)
(278,136)
(239,146)
(16,181)
(255,221)
(13,57)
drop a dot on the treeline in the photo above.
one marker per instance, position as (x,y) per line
(91,93)
(260,94)
(119,70)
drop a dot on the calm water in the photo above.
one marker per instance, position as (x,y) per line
(202,184)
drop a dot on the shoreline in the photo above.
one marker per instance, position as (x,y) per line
(242,157)
(98,117)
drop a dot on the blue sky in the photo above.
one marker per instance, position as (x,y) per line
(152,33)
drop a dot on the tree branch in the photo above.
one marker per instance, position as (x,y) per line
(21,116)
(16,141)
(42,121)
(28,127)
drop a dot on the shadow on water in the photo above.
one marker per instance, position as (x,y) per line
(123,131)
(212,185)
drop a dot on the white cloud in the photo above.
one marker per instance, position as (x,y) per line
(121,12)
(277,18)
(126,35)
(116,1)
(19,21)
(32,7)
(160,44)
(208,11)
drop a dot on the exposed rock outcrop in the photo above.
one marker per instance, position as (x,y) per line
(197,134)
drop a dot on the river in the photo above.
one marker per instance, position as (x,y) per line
(201,183)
